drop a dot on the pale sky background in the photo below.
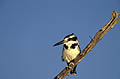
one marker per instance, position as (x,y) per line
(29,28)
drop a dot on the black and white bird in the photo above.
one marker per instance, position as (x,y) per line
(70,49)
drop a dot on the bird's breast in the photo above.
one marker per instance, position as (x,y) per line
(70,54)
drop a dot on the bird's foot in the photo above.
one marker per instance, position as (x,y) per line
(70,66)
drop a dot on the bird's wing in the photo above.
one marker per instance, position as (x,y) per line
(79,48)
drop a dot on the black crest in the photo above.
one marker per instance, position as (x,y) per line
(69,35)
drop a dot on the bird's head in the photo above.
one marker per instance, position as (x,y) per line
(69,39)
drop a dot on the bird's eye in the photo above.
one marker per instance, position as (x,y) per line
(69,39)
(74,38)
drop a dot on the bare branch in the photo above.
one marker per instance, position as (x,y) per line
(99,35)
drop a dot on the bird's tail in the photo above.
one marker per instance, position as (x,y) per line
(73,72)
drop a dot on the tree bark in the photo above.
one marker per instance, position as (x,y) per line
(99,35)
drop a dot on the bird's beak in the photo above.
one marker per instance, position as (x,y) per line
(61,42)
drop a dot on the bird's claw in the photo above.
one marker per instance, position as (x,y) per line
(70,66)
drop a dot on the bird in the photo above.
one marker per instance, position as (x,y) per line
(71,49)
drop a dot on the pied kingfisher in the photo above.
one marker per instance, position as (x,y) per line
(70,49)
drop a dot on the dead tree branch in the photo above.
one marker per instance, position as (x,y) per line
(99,35)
